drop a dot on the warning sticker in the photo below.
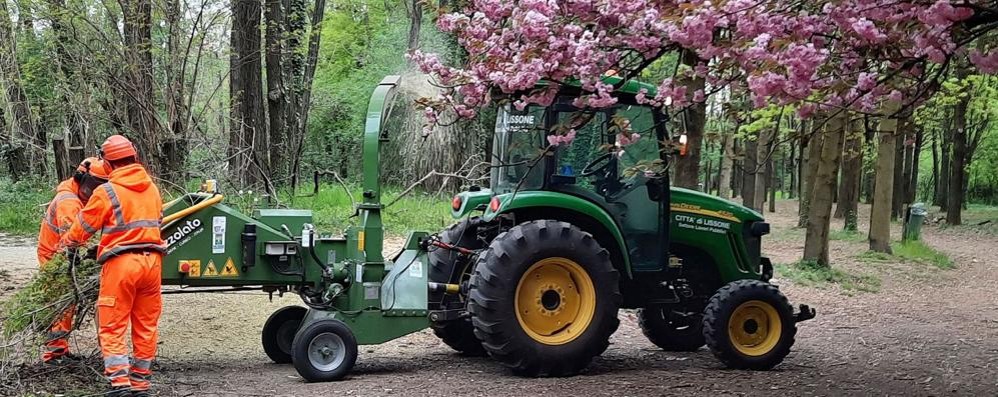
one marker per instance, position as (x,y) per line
(229,270)
(193,267)
(210,270)
(416,269)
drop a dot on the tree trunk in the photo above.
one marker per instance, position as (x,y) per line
(935,167)
(707,186)
(304,101)
(955,194)
(810,169)
(142,123)
(916,153)
(174,144)
(824,180)
(727,158)
(694,119)
(852,171)
(247,135)
(898,198)
(415,10)
(75,119)
(771,177)
(62,166)
(945,147)
(880,214)
(10,76)
(762,163)
(749,178)
(277,98)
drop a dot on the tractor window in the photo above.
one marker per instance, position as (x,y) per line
(641,154)
(519,139)
(587,146)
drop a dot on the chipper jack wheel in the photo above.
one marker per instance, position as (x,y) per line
(279,332)
(324,351)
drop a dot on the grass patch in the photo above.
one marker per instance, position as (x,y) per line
(847,235)
(809,273)
(919,252)
(22,205)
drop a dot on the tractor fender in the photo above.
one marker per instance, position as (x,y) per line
(531,205)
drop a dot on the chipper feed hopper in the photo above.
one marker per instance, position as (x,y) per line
(354,295)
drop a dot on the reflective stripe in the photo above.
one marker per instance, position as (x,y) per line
(118,373)
(86,226)
(119,216)
(117,359)
(131,225)
(52,212)
(108,254)
(141,364)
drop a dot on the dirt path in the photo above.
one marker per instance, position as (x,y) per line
(926,332)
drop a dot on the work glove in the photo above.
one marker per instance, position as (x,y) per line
(91,253)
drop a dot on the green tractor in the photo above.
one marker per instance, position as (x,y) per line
(567,236)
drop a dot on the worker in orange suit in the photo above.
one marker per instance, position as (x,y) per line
(127,211)
(70,196)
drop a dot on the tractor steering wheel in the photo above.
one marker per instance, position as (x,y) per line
(597,165)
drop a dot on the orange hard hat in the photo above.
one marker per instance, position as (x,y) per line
(117,147)
(86,164)
(100,170)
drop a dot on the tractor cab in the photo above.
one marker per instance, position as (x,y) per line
(617,161)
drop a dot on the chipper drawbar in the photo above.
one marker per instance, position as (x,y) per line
(354,295)
(535,280)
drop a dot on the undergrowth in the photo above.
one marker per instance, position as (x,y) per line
(22,205)
(920,252)
(847,235)
(809,273)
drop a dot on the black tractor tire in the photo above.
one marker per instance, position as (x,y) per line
(279,332)
(525,250)
(314,341)
(448,266)
(669,332)
(767,329)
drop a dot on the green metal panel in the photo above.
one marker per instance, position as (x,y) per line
(293,219)
(534,199)
(371,327)
(471,201)
(405,286)
(716,227)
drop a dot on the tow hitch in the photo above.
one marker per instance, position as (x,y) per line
(805,313)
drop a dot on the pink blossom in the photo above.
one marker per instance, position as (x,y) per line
(556,140)
(986,63)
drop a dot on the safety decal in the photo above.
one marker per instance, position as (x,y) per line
(218,235)
(416,269)
(191,267)
(229,270)
(210,270)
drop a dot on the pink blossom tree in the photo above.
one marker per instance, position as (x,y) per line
(844,54)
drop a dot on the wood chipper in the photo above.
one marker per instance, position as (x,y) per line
(354,295)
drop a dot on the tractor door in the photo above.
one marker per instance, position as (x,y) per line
(639,198)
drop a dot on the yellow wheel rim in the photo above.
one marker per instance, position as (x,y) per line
(755,328)
(555,301)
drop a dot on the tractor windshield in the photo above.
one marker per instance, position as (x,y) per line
(519,140)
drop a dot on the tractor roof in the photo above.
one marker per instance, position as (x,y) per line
(630,87)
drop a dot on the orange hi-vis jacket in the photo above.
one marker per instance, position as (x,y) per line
(127,210)
(58,217)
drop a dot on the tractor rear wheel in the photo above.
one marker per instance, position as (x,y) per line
(671,331)
(448,266)
(749,324)
(544,299)
(279,331)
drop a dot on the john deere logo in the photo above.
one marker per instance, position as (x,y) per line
(183,231)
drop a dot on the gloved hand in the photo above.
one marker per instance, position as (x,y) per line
(91,253)
(73,255)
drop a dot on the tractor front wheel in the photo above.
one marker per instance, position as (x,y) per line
(671,331)
(749,324)
(544,299)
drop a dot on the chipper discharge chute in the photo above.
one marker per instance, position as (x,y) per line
(354,295)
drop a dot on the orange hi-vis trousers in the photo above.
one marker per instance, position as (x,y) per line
(56,343)
(129,293)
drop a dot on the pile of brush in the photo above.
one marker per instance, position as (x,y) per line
(26,317)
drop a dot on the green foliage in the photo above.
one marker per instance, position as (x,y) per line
(846,235)
(22,205)
(333,210)
(809,273)
(918,251)
(36,306)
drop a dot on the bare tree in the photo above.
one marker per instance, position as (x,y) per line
(880,214)
(852,170)
(10,75)
(248,134)
(955,193)
(694,119)
(824,180)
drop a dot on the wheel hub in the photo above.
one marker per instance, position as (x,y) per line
(555,301)
(326,351)
(754,328)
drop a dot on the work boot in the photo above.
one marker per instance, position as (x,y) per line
(64,359)
(140,393)
(119,391)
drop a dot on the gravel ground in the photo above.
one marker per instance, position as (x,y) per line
(926,332)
